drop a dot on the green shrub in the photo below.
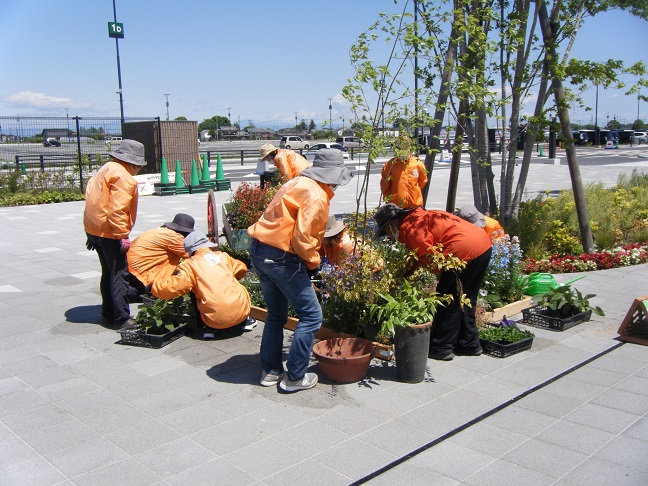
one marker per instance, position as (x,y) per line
(45,197)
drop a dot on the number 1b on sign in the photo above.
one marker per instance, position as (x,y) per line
(116,30)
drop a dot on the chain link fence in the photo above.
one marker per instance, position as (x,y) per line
(43,153)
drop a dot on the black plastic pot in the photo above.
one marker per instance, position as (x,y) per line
(411,348)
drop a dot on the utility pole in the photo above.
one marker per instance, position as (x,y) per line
(229,116)
(167,104)
(295,123)
(330,114)
(121,97)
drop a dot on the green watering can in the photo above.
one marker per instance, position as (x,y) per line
(541,283)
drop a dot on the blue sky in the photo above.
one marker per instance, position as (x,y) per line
(265,60)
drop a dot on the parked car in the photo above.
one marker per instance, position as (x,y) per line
(640,137)
(51,142)
(113,140)
(321,145)
(292,142)
(350,142)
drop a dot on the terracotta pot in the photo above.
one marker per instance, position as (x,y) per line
(344,360)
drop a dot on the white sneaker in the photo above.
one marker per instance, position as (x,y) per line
(270,379)
(249,324)
(308,381)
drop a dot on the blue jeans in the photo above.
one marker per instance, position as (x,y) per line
(284,278)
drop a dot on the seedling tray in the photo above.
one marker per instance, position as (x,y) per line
(499,350)
(536,316)
(135,336)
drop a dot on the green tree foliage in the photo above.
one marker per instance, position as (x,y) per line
(213,123)
(180,118)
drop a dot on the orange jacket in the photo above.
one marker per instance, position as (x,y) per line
(493,228)
(111,202)
(422,229)
(336,253)
(212,276)
(401,181)
(295,220)
(154,254)
(289,164)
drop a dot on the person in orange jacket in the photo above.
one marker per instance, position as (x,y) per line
(404,176)
(454,329)
(337,245)
(289,163)
(212,277)
(108,218)
(154,254)
(471,214)
(284,250)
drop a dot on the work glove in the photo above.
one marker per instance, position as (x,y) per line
(148,288)
(314,273)
(125,244)
(89,245)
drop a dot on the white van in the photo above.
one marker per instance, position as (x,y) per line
(113,141)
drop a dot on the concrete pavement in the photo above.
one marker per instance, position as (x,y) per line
(76,408)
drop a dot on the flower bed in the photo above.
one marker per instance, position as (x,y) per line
(624,256)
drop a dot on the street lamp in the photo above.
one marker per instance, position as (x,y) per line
(330,114)
(121,99)
(229,116)
(167,104)
(295,123)
(67,118)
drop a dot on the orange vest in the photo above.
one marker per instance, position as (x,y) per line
(154,254)
(295,220)
(493,228)
(111,202)
(289,164)
(401,181)
(212,276)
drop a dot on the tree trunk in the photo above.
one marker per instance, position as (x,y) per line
(548,35)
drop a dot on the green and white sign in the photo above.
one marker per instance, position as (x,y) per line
(116,30)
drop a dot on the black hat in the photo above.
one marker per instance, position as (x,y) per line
(385,214)
(181,222)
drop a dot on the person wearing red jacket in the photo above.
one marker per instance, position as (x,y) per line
(288,162)
(154,254)
(454,329)
(108,218)
(403,177)
(284,249)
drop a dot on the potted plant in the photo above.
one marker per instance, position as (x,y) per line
(505,339)
(160,323)
(407,318)
(243,209)
(561,308)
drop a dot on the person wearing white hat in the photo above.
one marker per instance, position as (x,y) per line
(284,249)
(289,163)
(108,218)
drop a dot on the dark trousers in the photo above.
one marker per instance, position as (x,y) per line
(452,325)
(114,278)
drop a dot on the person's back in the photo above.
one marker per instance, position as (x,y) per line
(213,277)
(154,254)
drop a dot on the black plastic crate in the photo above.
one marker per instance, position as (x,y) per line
(135,336)
(148,300)
(499,350)
(536,316)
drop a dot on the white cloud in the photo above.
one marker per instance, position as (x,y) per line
(31,99)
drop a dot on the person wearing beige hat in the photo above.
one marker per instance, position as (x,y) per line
(289,163)
(108,218)
(337,245)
